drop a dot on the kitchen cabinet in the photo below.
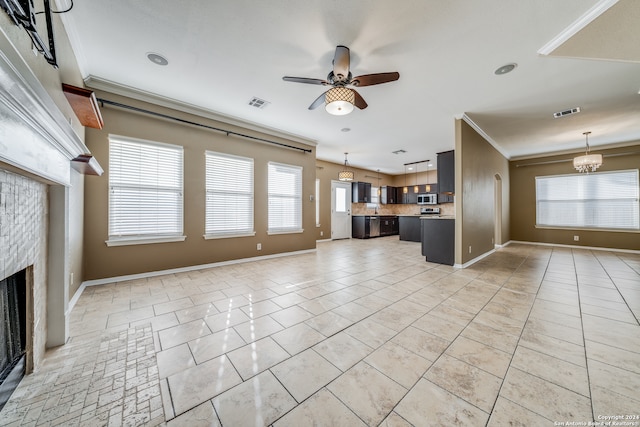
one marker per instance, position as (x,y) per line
(367,226)
(410,197)
(446,172)
(361,192)
(409,228)
(438,240)
(389,195)
(388,225)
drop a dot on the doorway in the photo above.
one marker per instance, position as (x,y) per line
(497,211)
(340,210)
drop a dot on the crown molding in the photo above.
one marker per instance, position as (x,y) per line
(162,101)
(483,134)
(593,13)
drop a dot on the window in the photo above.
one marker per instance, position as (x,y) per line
(285,198)
(374,197)
(229,196)
(317,203)
(603,200)
(145,191)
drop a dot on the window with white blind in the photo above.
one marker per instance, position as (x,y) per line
(145,191)
(285,198)
(229,196)
(603,200)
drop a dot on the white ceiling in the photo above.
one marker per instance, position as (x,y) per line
(223,53)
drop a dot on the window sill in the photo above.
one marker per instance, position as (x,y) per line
(608,230)
(227,236)
(143,240)
(271,233)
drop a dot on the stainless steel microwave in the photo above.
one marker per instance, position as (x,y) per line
(427,199)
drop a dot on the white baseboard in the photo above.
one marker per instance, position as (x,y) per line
(476,259)
(149,274)
(589,248)
(75,298)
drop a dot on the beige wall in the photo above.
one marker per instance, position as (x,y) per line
(477,165)
(102,262)
(523,200)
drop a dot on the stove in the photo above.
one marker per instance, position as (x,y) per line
(429,211)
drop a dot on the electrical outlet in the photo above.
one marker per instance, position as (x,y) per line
(259,246)
(469,248)
(71,279)
(576,238)
(321,233)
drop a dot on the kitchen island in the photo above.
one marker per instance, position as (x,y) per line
(438,239)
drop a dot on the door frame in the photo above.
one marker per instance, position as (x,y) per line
(347,186)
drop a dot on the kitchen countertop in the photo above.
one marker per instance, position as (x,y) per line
(438,217)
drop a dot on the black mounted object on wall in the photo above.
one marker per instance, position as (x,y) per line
(21,13)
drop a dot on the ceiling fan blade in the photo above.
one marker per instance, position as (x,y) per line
(305,80)
(359,101)
(341,63)
(374,79)
(318,102)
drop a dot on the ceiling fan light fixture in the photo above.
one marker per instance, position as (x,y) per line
(339,101)
(588,162)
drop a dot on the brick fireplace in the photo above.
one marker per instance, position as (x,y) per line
(23,246)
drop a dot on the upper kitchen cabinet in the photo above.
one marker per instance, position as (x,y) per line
(361,192)
(446,172)
(389,195)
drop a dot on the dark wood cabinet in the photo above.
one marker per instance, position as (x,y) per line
(361,192)
(446,172)
(438,240)
(389,195)
(388,225)
(367,226)
(409,228)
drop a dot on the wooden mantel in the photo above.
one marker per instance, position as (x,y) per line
(84,104)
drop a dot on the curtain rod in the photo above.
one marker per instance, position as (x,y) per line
(189,122)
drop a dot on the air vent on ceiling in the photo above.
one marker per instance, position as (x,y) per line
(566,112)
(258,103)
(400,151)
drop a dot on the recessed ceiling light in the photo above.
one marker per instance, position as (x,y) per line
(157,59)
(507,68)
(345,129)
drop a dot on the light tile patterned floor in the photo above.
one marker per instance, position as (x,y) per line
(358,333)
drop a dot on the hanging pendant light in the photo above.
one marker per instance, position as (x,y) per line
(588,162)
(428,186)
(415,187)
(346,174)
(405,189)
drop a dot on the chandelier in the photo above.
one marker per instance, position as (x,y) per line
(339,101)
(346,174)
(588,162)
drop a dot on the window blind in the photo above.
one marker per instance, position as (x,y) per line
(285,198)
(146,183)
(607,200)
(229,195)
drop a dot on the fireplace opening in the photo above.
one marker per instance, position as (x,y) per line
(13,333)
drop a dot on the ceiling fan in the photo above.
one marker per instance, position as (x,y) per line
(340,99)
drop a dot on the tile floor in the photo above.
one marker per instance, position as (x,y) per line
(361,332)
